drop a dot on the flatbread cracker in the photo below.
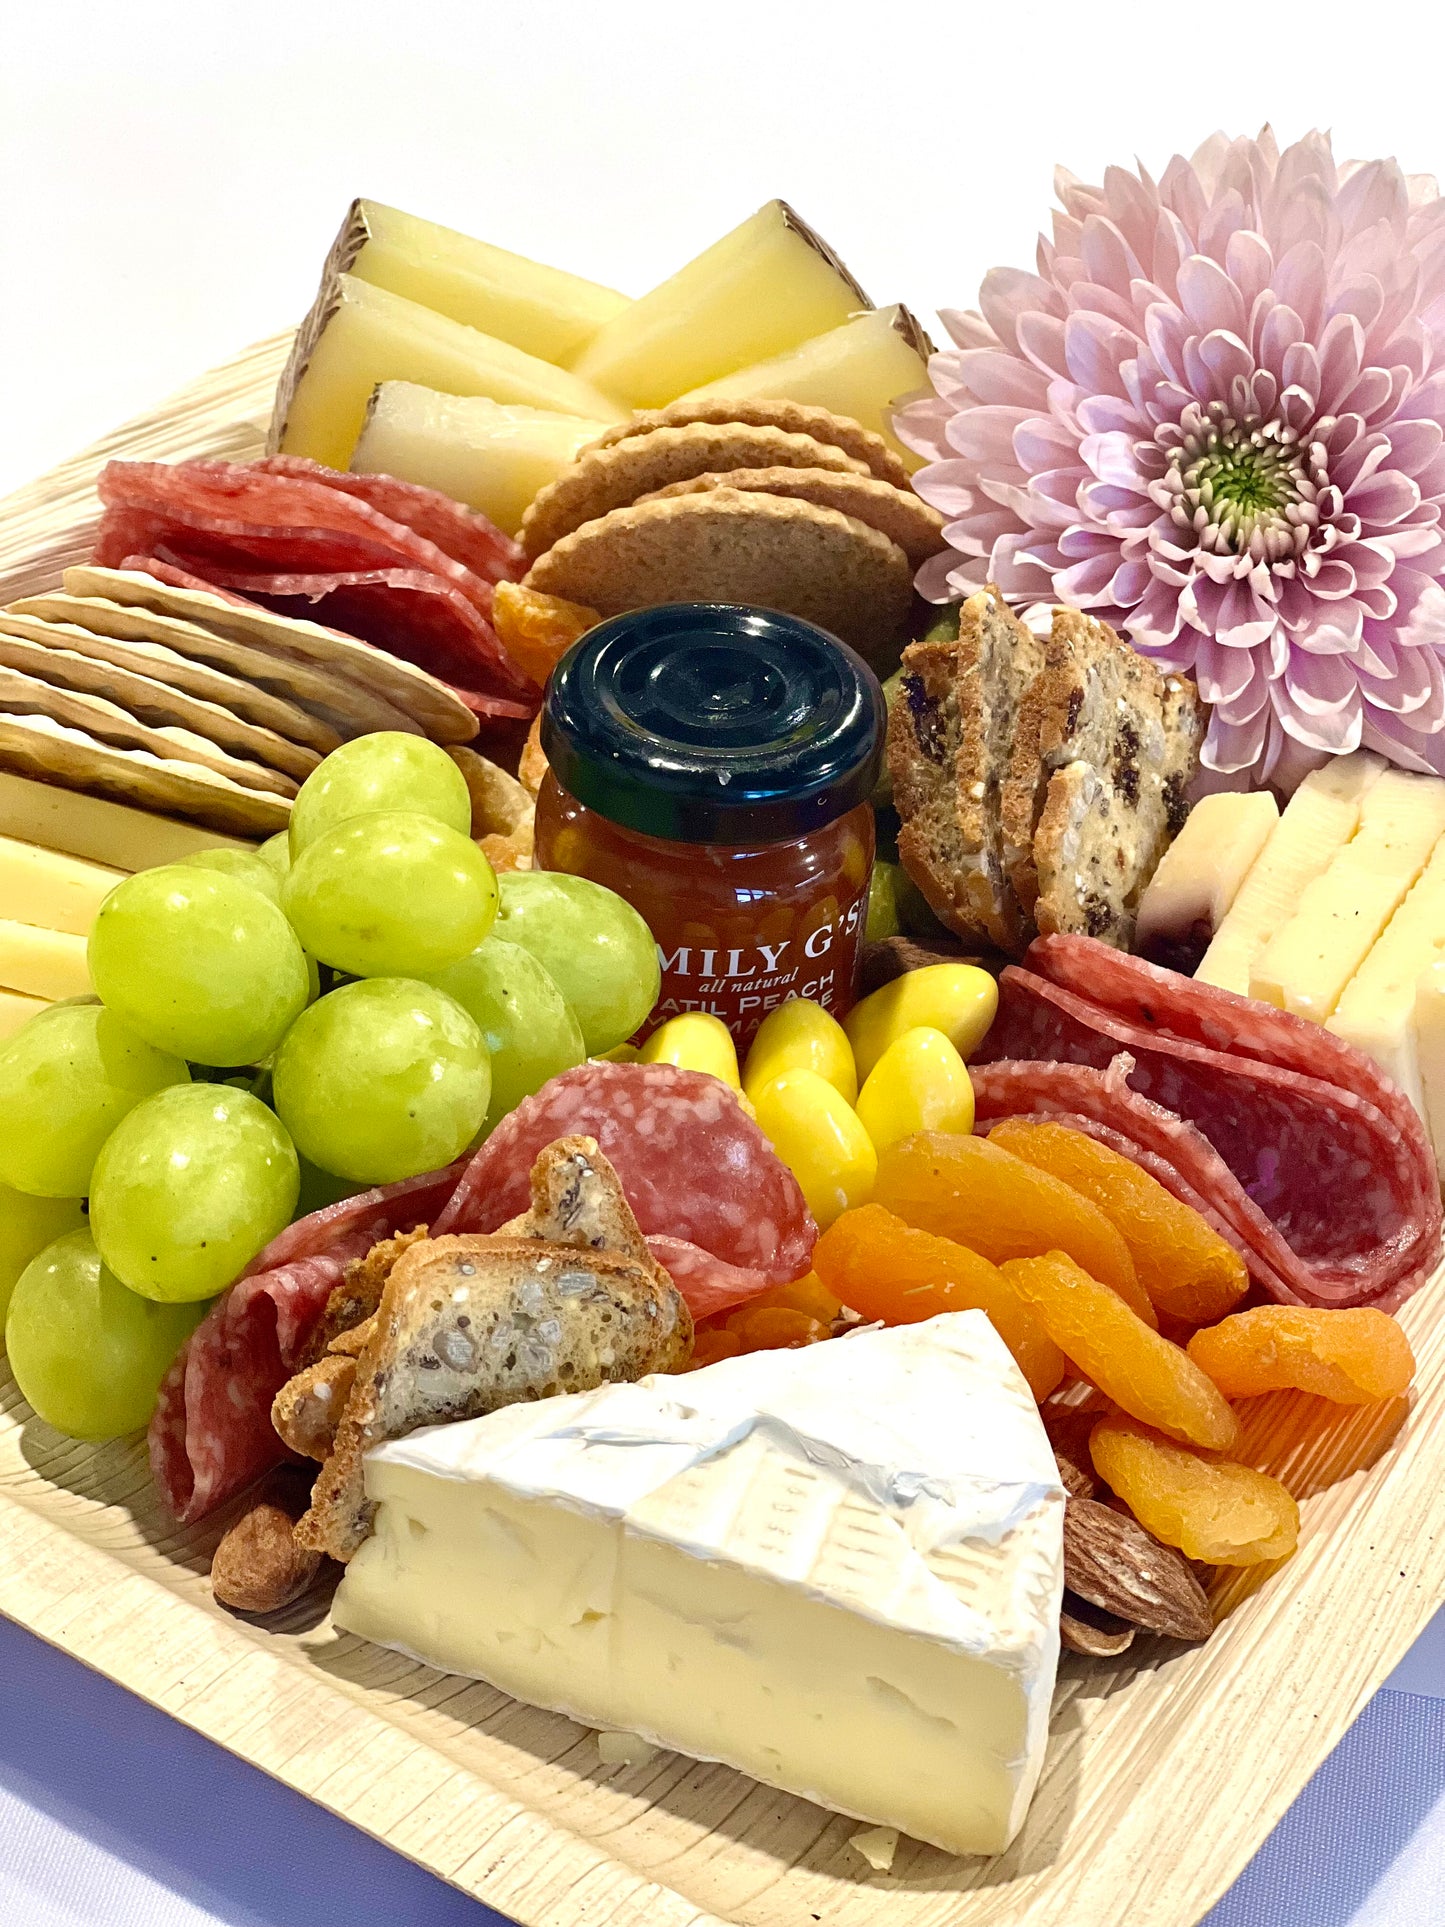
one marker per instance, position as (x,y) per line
(440,711)
(609,478)
(152,702)
(163,664)
(895,512)
(39,747)
(793,417)
(22,695)
(347,707)
(726,546)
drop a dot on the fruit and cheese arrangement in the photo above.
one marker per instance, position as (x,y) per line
(686,1101)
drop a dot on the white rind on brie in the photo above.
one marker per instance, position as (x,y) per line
(838,1569)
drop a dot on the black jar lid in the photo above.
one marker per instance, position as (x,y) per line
(707,722)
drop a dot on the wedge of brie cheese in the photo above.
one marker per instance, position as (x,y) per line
(838,1569)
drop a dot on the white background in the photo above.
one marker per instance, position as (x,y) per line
(171,174)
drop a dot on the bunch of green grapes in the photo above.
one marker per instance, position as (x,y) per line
(357,1001)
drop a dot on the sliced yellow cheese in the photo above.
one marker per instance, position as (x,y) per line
(1429,1029)
(1305,965)
(493,457)
(544,310)
(56,892)
(1376,1011)
(16,1010)
(42,963)
(762,289)
(1318,821)
(114,834)
(859,368)
(359,335)
(1193,890)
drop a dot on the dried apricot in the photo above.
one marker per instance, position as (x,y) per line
(1189,1271)
(807,1293)
(1352,1357)
(885,1269)
(1210,1508)
(1143,1373)
(537,630)
(710,1344)
(765,1328)
(984,1197)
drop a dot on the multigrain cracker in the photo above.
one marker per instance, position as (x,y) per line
(166,665)
(794,418)
(602,479)
(894,512)
(401,685)
(725,546)
(155,703)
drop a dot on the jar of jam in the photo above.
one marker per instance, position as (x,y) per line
(712,764)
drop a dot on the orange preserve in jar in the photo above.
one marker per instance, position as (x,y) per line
(712,764)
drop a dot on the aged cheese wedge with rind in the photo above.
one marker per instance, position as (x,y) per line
(546,311)
(1192,891)
(838,1569)
(1306,964)
(769,284)
(16,1010)
(42,963)
(1376,1011)
(52,891)
(91,827)
(1319,819)
(493,456)
(860,368)
(357,335)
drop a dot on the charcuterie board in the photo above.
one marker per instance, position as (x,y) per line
(1163,1775)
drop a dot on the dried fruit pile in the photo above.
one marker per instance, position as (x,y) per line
(1120,1305)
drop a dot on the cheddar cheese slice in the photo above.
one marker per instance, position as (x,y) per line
(1306,964)
(1376,1012)
(52,891)
(1319,820)
(42,963)
(16,1010)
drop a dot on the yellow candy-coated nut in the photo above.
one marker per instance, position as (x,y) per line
(920,1083)
(801,1035)
(696,1041)
(820,1139)
(959,999)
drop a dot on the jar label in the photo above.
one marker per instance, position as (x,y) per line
(742,985)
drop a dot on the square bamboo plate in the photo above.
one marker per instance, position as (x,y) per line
(1166,1769)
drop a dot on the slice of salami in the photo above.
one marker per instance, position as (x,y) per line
(237,511)
(407,612)
(178,579)
(462,533)
(1296,1145)
(708,1284)
(693,1164)
(211,1432)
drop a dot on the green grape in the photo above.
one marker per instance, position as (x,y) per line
(883,903)
(530,1029)
(593,945)
(199,964)
(27,1226)
(276,851)
(387,771)
(382,1080)
(394,894)
(189,1188)
(246,866)
(67,1078)
(88,1354)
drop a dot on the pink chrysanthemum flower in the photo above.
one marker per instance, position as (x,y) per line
(1214,418)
